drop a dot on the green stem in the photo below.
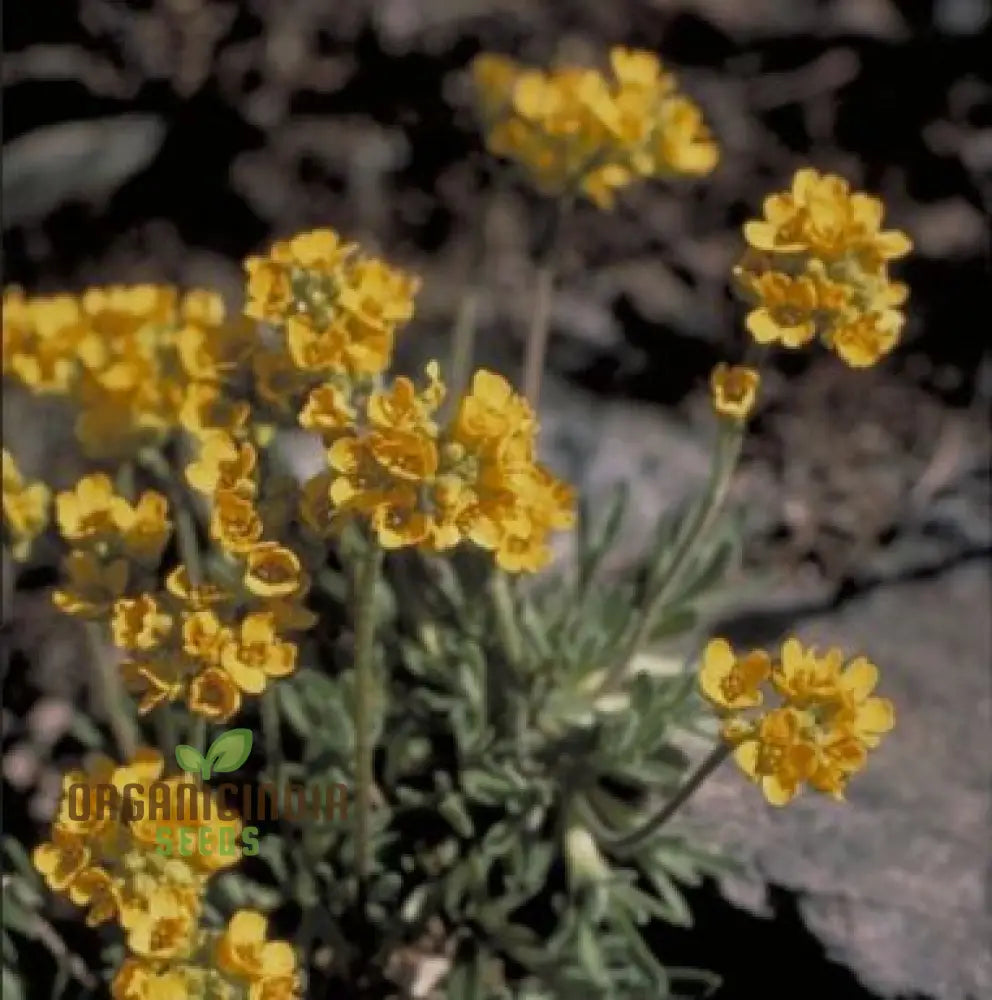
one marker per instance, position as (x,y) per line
(463,339)
(112,693)
(270,733)
(506,617)
(637,838)
(189,548)
(721,473)
(366,578)
(165,729)
(198,734)
(540,323)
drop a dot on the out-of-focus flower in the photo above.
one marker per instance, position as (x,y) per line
(575,130)
(734,390)
(25,508)
(817,265)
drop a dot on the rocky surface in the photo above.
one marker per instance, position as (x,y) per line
(896,881)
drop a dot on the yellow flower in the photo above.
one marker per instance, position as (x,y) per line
(576,130)
(97,891)
(339,309)
(327,411)
(25,508)
(735,390)
(778,754)
(197,598)
(214,694)
(866,339)
(223,464)
(162,926)
(257,653)
(147,528)
(818,265)
(207,408)
(61,860)
(731,682)
(821,215)
(92,585)
(234,522)
(204,636)
(138,623)
(272,570)
(243,951)
(91,511)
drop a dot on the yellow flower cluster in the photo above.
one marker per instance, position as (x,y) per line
(112,542)
(576,130)
(25,509)
(418,483)
(339,311)
(231,639)
(236,964)
(108,860)
(104,855)
(817,265)
(138,361)
(821,732)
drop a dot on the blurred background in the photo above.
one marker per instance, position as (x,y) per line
(164,140)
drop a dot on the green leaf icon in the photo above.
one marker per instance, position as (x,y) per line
(228,752)
(189,758)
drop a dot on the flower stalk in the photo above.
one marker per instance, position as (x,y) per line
(366,578)
(112,694)
(632,841)
(540,323)
(725,458)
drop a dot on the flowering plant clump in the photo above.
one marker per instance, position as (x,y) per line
(395,622)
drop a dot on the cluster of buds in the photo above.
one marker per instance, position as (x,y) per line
(575,130)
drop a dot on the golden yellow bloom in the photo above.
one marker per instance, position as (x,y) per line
(25,508)
(576,130)
(244,953)
(735,390)
(204,636)
(822,732)
(201,597)
(92,585)
(214,694)
(163,925)
(339,309)
(327,411)
(223,464)
(234,523)
(61,860)
(207,408)
(98,892)
(138,623)
(91,511)
(778,755)
(730,682)
(272,570)
(257,653)
(818,266)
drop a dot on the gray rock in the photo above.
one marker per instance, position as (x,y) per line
(895,881)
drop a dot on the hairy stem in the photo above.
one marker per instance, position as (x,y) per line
(637,838)
(367,576)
